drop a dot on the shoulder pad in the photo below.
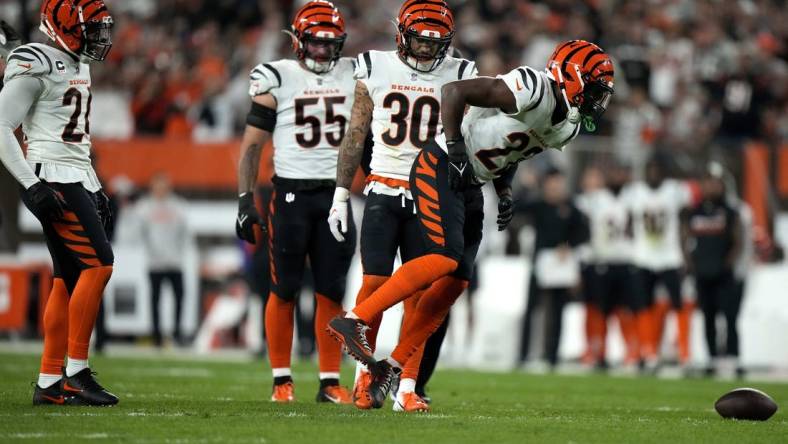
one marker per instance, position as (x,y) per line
(263,78)
(363,65)
(27,60)
(528,87)
(466,69)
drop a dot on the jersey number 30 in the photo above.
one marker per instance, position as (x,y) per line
(423,105)
(73,96)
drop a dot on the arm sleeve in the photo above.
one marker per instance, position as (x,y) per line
(16,98)
(528,86)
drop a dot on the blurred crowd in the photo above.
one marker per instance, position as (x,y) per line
(691,75)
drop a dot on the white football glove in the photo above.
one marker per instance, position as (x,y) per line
(337,216)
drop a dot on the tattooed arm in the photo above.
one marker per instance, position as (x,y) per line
(352,147)
(254,139)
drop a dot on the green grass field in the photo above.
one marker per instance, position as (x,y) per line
(184,401)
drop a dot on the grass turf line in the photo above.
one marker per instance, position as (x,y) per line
(167,400)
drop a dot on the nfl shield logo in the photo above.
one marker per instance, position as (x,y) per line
(413,76)
(319,82)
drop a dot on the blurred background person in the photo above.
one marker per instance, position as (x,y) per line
(559,227)
(609,282)
(164,231)
(713,240)
(655,205)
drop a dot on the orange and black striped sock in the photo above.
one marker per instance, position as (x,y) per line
(329,351)
(411,277)
(83,308)
(279,315)
(433,307)
(55,329)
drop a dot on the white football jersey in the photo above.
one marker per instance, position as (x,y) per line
(655,222)
(312,114)
(608,215)
(496,140)
(406,116)
(56,128)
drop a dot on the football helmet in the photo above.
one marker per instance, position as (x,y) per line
(426,22)
(81,27)
(318,23)
(584,73)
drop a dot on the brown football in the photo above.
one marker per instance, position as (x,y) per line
(746,403)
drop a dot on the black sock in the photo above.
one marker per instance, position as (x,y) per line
(279,380)
(328,382)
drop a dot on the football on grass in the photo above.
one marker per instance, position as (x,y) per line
(746,403)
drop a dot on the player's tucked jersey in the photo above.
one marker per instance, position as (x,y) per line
(312,114)
(655,216)
(608,215)
(496,140)
(56,128)
(406,115)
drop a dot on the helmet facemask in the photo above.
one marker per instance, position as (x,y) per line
(322,63)
(423,61)
(97,39)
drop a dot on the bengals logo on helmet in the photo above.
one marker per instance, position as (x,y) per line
(584,73)
(81,27)
(430,25)
(319,23)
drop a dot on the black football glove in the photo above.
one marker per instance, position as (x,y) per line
(505,211)
(47,203)
(460,169)
(247,218)
(104,209)
(9,39)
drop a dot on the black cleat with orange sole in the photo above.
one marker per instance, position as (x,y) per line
(352,333)
(52,395)
(383,376)
(84,387)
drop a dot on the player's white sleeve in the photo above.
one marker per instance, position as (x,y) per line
(16,98)
(467,70)
(362,67)
(264,78)
(528,86)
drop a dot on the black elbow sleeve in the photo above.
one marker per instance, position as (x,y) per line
(261,117)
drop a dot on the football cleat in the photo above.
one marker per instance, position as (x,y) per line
(352,333)
(84,387)
(53,395)
(335,394)
(283,392)
(383,376)
(410,402)
(361,397)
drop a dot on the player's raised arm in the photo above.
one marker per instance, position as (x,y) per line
(260,125)
(350,152)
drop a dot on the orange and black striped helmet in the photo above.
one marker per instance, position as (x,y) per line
(318,21)
(584,72)
(81,27)
(429,21)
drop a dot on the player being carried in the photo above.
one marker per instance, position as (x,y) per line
(398,95)
(304,105)
(512,118)
(47,91)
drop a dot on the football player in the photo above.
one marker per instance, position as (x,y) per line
(610,284)
(655,207)
(398,96)
(304,105)
(47,91)
(512,117)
